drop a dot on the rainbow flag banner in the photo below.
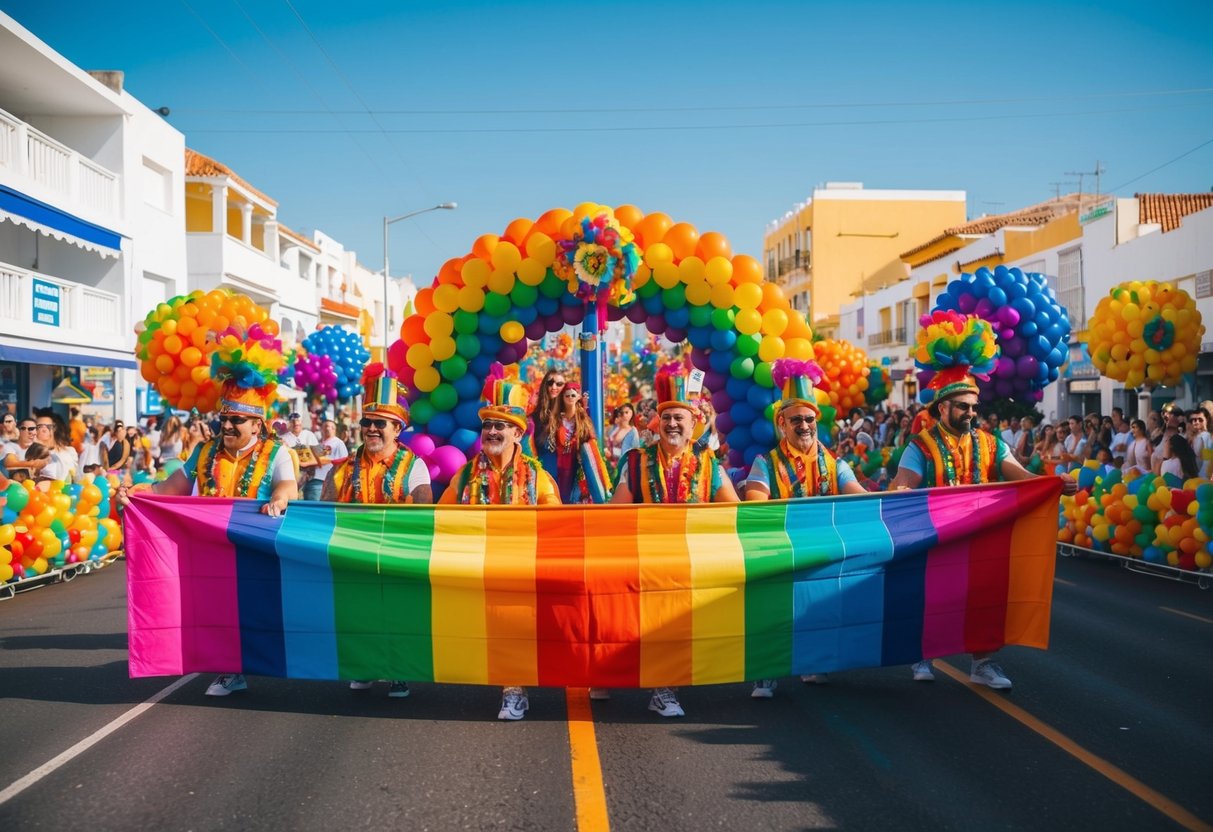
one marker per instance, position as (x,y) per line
(609,596)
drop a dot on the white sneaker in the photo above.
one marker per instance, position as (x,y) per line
(816,678)
(987,672)
(514,704)
(665,703)
(227,683)
(398,690)
(924,671)
(359,685)
(600,694)
(764,689)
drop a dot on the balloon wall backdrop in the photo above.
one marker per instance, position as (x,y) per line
(176,339)
(539,276)
(332,367)
(43,530)
(847,368)
(1145,334)
(1033,329)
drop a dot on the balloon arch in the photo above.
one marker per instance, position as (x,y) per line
(592,265)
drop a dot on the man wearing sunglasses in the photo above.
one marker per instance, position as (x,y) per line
(800,465)
(951,452)
(501,474)
(240,462)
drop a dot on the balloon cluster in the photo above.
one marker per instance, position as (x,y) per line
(333,364)
(41,530)
(1032,328)
(176,339)
(880,383)
(1152,517)
(1145,334)
(486,305)
(290,358)
(847,369)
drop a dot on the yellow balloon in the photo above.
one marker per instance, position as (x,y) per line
(512,332)
(658,253)
(418,356)
(748,321)
(774,321)
(722,296)
(691,270)
(699,294)
(771,347)
(799,349)
(643,273)
(501,281)
(442,348)
(541,248)
(427,379)
(438,324)
(506,257)
(475,272)
(446,298)
(718,270)
(471,299)
(748,296)
(531,271)
(666,275)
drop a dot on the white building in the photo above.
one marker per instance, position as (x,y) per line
(92,231)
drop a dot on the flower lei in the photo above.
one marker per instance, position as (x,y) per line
(949,462)
(600,260)
(797,476)
(208,470)
(690,477)
(394,469)
(521,478)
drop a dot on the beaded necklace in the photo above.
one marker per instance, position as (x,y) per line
(975,469)
(519,480)
(793,476)
(401,463)
(689,470)
(208,470)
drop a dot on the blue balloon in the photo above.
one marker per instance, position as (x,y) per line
(720,360)
(546,305)
(737,388)
(759,397)
(678,318)
(526,315)
(464,439)
(467,415)
(742,413)
(480,365)
(763,433)
(441,426)
(700,336)
(723,339)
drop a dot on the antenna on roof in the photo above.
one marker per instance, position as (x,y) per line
(1097,173)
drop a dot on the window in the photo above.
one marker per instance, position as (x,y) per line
(157,186)
(1069,287)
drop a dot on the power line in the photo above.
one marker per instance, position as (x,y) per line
(1163,165)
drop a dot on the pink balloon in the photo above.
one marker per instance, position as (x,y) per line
(448,459)
(422,444)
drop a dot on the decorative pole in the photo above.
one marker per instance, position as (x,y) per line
(590,348)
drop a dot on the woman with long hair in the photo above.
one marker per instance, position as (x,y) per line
(1139,450)
(622,436)
(568,450)
(1179,459)
(1044,448)
(547,400)
(196,432)
(172,439)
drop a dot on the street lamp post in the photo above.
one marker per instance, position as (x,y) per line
(387,275)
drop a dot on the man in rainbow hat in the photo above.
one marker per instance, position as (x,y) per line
(501,474)
(952,451)
(800,465)
(383,470)
(670,471)
(242,461)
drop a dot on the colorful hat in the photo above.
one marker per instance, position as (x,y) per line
(674,389)
(954,350)
(501,399)
(383,394)
(247,371)
(797,381)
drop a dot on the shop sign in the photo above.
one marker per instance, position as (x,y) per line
(1085,386)
(1204,284)
(46,303)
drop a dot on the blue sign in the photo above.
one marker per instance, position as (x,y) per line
(46,303)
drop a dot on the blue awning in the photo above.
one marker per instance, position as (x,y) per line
(42,217)
(28,355)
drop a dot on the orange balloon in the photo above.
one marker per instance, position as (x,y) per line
(772,297)
(713,244)
(424,301)
(412,331)
(652,228)
(484,245)
(629,216)
(550,221)
(746,270)
(517,231)
(682,238)
(449,273)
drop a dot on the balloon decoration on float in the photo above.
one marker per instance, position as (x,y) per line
(515,288)
(950,341)
(67,524)
(175,341)
(847,369)
(331,368)
(1032,328)
(880,383)
(1145,334)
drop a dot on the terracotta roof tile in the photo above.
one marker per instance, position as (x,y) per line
(1038,214)
(297,237)
(1168,210)
(198,165)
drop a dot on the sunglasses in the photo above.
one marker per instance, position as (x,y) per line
(797,421)
(963,407)
(554,383)
(28,427)
(234,421)
(373,423)
(496,426)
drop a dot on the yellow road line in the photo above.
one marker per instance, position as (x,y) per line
(1191,615)
(589,794)
(1117,775)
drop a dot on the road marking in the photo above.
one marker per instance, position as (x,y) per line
(1191,615)
(88,742)
(589,794)
(1063,581)
(1117,775)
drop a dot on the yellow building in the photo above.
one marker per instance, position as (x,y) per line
(822,251)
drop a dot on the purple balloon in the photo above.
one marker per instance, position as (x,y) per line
(657,324)
(1008,316)
(984,309)
(699,357)
(724,422)
(1014,348)
(636,313)
(676,334)
(721,400)
(714,381)
(422,444)
(966,303)
(572,314)
(1005,367)
(536,329)
(614,313)
(448,460)
(1005,334)
(1027,366)
(1003,387)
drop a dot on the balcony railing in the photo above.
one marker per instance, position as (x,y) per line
(38,305)
(888,337)
(790,264)
(56,170)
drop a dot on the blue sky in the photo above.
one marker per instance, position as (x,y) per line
(721,115)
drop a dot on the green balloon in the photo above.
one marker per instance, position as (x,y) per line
(421,412)
(467,345)
(674,297)
(18,497)
(465,322)
(453,368)
(648,290)
(723,318)
(552,286)
(57,527)
(701,315)
(762,375)
(496,305)
(742,368)
(444,397)
(523,295)
(748,344)
(769,411)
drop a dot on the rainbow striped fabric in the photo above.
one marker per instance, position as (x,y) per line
(618,596)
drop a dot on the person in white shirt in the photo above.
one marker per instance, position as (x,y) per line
(297,436)
(332,450)
(1200,440)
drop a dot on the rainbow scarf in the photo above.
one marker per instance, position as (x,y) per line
(615,595)
(791,481)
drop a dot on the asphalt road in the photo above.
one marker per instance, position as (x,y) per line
(1128,681)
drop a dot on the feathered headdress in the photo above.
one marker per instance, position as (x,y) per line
(246,364)
(796,381)
(501,399)
(670,387)
(383,394)
(953,351)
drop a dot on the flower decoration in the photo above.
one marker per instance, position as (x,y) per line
(599,262)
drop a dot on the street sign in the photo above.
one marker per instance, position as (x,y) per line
(46,302)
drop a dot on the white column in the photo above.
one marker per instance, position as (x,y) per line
(219,209)
(271,241)
(246,223)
